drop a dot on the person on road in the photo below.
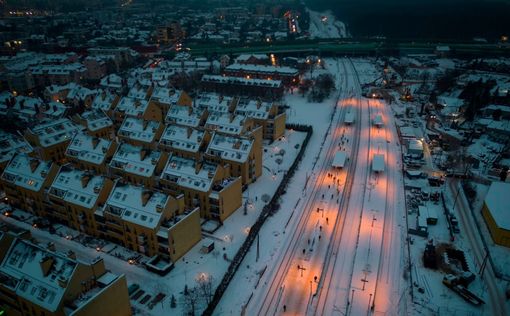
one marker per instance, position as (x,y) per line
(284,308)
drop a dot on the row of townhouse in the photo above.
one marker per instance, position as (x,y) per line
(38,280)
(140,218)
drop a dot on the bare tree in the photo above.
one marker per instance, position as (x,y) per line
(205,286)
(191,301)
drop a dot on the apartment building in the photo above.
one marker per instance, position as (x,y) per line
(139,91)
(207,186)
(139,132)
(229,123)
(288,75)
(148,221)
(243,154)
(25,180)
(105,101)
(184,141)
(37,280)
(50,140)
(215,103)
(75,194)
(265,114)
(186,116)
(229,85)
(10,144)
(90,153)
(165,97)
(137,165)
(138,108)
(97,123)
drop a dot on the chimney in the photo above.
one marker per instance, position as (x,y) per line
(237,144)
(46,263)
(85,178)
(34,163)
(146,196)
(95,142)
(71,255)
(232,117)
(145,124)
(198,166)
(51,246)
(62,281)
(143,154)
(189,131)
(259,104)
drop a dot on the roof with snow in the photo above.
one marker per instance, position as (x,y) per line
(103,100)
(137,205)
(136,160)
(88,148)
(339,160)
(10,144)
(184,115)
(254,109)
(378,163)
(497,203)
(214,103)
(132,107)
(186,173)
(139,129)
(77,187)
(263,69)
(242,81)
(22,272)
(96,119)
(226,123)
(230,148)
(183,138)
(55,132)
(166,95)
(27,172)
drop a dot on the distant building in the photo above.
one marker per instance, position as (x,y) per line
(97,123)
(253,59)
(137,108)
(288,75)
(234,86)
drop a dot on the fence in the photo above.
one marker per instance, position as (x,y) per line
(268,209)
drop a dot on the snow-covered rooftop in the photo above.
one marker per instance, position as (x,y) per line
(183,138)
(230,148)
(137,205)
(263,69)
(136,160)
(186,173)
(11,144)
(96,119)
(55,132)
(183,115)
(104,101)
(27,172)
(139,129)
(23,273)
(242,81)
(226,123)
(166,95)
(77,187)
(88,148)
(214,103)
(132,107)
(254,109)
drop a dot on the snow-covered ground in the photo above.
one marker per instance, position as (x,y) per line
(325,25)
